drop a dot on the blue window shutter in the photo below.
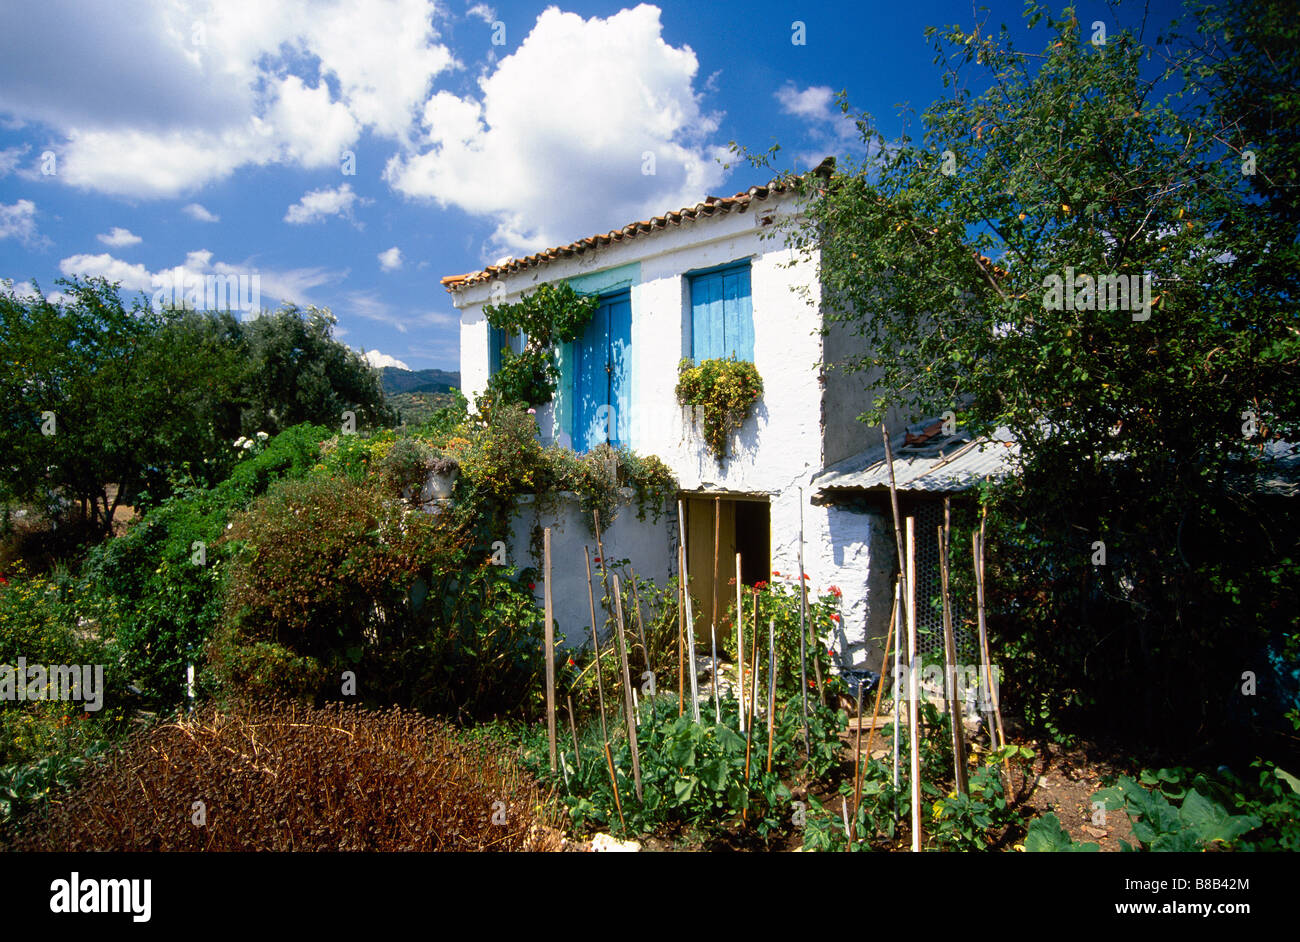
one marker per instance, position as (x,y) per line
(496,340)
(738,316)
(722,317)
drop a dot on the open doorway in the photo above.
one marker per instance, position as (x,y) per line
(743,524)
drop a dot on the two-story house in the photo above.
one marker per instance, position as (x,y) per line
(712,280)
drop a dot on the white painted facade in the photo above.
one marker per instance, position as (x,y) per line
(804,421)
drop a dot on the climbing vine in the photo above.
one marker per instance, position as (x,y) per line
(722,392)
(552,314)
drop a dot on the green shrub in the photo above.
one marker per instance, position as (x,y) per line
(166,574)
(44,743)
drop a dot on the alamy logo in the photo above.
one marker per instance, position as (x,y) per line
(183,290)
(1104,293)
(84,682)
(76,895)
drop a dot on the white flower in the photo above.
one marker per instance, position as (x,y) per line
(239,442)
(262,436)
(248,444)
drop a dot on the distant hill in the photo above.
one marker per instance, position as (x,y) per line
(395,381)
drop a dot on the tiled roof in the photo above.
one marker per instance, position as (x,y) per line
(711,206)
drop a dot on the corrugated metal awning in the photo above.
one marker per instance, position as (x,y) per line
(933,462)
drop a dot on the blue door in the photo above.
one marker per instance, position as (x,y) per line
(602,376)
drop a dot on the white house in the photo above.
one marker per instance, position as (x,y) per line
(708,280)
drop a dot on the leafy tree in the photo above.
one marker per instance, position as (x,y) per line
(106,405)
(1142,421)
(299,373)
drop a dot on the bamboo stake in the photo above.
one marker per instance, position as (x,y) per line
(875,712)
(690,617)
(905,594)
(595,643)
(988,660)
(640,625)
(573,728)
(857,772)
(628,705)
(681,630)
(713,623)
(618,803)
(913,720)
(804,628)
(550,645)
(950,666)
(884,665)
(740,644)
(898,663)
(753,661)
(771,687)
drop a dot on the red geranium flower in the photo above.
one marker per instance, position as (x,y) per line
(834,590)
(834,617)
(3,580)
(805,575)
(571,664)
(760,585)
(775,573)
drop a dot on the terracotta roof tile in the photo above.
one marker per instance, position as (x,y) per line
(710,206)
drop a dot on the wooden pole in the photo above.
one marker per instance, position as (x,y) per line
(898,662)
(690,617)
(913,719)
(884,665)
(950,666)
(753,662)
(771,687)
(595,644)
(640,624)
(629,706)
(713,623)
(740,644)
(613,778)
(550,645)
(681,632)
(573,728)
(988,660)
(852,828)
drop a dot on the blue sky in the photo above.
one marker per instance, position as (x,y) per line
(192,137)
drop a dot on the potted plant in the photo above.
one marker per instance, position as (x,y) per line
(440,478)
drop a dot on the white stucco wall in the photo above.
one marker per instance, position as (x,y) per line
(649,548)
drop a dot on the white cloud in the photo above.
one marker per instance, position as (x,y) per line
(554,147)
(830,130)
(27,290)
(19,221)
(119,237)
(483,12)
(372,307)
(196,211)
(391,259)
(318,204)
(294,285)
(9,158)
(279,81)
(379,360)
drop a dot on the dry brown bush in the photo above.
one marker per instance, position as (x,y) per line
(284,776)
